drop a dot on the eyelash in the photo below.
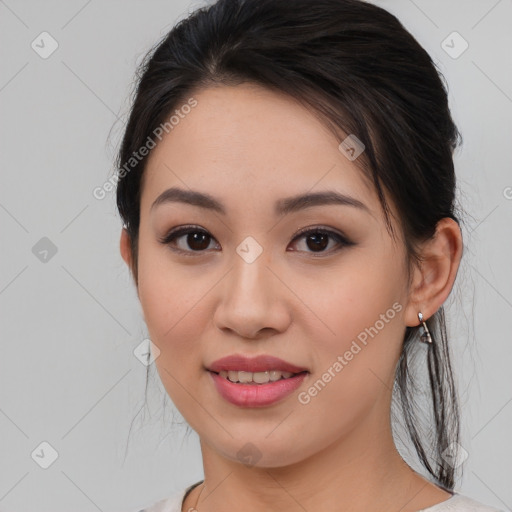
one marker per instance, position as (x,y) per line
(185,230)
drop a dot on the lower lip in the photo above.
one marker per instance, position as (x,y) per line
(256,395)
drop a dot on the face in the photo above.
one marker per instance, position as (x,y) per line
(246,281)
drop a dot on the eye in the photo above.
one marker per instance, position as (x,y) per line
(196,239)
(317,239)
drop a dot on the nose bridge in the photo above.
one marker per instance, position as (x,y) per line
(250,281)
(250,299)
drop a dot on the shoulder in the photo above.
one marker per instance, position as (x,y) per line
(171,504)
(461,503)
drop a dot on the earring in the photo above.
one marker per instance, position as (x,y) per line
(425,335)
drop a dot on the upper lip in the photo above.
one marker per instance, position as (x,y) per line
(259,363)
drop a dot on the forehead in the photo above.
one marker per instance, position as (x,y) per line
(253,143)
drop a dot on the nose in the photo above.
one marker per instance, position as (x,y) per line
(253,301)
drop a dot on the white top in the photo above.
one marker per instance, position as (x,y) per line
(457,503)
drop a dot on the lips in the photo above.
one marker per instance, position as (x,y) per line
(261,363)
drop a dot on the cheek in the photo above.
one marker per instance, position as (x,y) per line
(174,312)
(172,306)
(357,298)
(353,373)
(363,310)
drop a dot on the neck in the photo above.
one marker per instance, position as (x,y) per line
(361,471)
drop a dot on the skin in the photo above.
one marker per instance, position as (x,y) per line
(249,147)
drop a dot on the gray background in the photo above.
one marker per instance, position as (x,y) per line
(70,324)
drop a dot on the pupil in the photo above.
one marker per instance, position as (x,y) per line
(196,238)
(316,243)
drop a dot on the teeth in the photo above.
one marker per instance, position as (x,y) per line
(255,377)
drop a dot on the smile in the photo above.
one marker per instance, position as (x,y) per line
(255,377)
(248,392)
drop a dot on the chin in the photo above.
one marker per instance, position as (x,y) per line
(258,451)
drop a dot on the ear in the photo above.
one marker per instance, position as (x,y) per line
(433,280)
(125,248)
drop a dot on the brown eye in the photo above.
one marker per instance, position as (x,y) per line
(190,239)
(317,240)
(198,241)
(194,240)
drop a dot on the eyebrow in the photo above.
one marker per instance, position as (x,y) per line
(281,207)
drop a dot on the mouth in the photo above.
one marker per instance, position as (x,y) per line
(259,366)
(257,381)
(256,378)
(247,389)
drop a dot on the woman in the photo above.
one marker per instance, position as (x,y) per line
(287,187)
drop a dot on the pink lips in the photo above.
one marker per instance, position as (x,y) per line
(255,395)
(260,363)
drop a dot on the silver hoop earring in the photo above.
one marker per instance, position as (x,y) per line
(425,335)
